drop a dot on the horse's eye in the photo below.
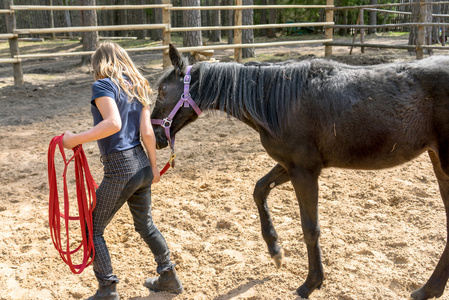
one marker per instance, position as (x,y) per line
(163,89)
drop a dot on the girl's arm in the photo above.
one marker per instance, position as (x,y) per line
(111,123)
(149,141)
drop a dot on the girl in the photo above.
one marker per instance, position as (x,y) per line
(120,109)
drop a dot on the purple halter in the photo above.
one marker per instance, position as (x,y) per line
(185,101)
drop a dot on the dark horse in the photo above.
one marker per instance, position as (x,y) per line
(316,114)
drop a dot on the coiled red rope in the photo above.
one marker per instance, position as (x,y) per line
(85,194)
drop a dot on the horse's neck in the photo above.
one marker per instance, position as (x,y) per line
(217,96)
(218,86)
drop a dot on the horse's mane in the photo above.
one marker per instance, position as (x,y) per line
(268,94)
(265,93)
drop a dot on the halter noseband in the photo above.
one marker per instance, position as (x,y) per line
(166,123)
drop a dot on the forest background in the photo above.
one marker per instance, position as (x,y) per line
(49,19)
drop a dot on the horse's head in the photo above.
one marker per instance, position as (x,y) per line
(174,107)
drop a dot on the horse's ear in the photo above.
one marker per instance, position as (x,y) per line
(176,60)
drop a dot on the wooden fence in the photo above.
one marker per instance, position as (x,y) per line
(419,47)
(14,33)
(329,25)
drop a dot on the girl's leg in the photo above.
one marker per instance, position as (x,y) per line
(106,207)
(140,207)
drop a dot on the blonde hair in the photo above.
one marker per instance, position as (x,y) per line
(111,60)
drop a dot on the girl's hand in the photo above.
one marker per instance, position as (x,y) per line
(68,140)
(156,175)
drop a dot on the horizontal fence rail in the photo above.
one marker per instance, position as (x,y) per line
(165,6)
(392,25)
(254,45)
(90,28)
(235,7)
(93,7)
(385,5)
(8,35)
(177,29)
(405,47)
(388,11)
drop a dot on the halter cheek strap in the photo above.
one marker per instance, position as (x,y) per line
(184,101)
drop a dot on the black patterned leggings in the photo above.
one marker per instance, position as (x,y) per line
(127,178)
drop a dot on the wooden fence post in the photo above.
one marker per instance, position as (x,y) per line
(166,37)
(328,32)
(238,32)
(443,36)
(13,44)
(421,40)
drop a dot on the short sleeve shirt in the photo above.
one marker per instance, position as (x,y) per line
(129,135)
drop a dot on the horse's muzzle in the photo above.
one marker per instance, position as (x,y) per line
(161,141)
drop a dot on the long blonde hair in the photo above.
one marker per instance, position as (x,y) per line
(111,60)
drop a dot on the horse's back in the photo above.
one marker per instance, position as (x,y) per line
(373,117)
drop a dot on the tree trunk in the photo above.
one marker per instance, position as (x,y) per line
(123,20)
(142,19)
(372,18)
(52,21)
(177,15)
(68,20)
(271,32)
(205,18)
(156,34)
(2,18)
(191,18)
(230,21)
(415,18)
(435,30)
(89,39)
(117,17)
(215,35)
(248,34)
(108,19)
(263,18)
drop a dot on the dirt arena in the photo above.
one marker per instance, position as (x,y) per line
(382,231)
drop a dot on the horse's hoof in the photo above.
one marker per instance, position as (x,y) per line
(419,295)
(303,292)
(279,259)
(427,293)
(308,287)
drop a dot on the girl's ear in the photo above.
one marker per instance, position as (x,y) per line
(176,60)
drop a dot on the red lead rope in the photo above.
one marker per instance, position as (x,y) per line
(170,163)
(86,204)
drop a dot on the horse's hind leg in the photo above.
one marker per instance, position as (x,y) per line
(277,176)
(434,287)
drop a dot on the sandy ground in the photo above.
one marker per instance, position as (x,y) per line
(382,231)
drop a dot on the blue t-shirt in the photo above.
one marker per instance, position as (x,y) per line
(129,135)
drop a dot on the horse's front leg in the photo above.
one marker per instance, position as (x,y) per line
(305,182)
(277,176)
